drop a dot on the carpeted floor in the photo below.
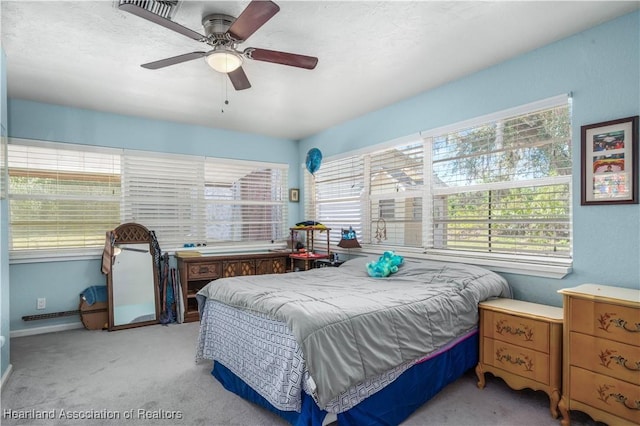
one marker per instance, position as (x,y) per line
(148,376)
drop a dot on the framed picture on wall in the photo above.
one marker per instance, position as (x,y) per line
(294,195)
(609,169)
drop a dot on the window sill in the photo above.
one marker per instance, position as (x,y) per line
(531,265)
(231,248)
(42,256)
(536,266)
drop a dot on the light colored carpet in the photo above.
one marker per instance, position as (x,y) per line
(151,371)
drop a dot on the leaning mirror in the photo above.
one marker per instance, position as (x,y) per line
(132,282)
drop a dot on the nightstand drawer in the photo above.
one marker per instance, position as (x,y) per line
(612,322)
(517,360)
(205,270)
(524,332)
(606,357)
(605,393)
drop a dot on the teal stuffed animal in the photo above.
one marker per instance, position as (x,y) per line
(386,265)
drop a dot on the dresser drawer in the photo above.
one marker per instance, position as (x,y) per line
(238,268)
(613,396)
(525,332)
(517,360)
(606,357)
(277,265)
(601,319)
(204,270)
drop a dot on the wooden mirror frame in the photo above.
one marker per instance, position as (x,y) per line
(133,233)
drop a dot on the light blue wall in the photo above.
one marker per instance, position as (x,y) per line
(33,120)
(601,67)
(61,282)
(4,252)
(4,247)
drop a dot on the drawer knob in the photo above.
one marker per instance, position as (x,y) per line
(204,269)
(604,395)
(503,356)
(606,319)
(503,327)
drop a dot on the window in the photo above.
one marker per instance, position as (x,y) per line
(396,187)
(62,198)
(503,186)
(387,209)
(65,196)
(497,185)
(165,193)
(334,196)
(245,201)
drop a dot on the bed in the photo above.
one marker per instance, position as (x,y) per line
(335,343)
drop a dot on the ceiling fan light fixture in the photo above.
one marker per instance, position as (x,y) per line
(224,60)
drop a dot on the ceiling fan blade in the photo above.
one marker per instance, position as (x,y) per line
(283,58)
(253,17)
(239,79)
(156,19)
(173,61)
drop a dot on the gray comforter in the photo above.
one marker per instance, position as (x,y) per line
(352,327)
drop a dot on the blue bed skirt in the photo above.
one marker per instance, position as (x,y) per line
(391,405)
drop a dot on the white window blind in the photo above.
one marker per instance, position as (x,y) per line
(333,196)
(61,196)
(497,186)
(245,201)
(504,186)
(396,194)
(165,193)
(66,196)
(190,199)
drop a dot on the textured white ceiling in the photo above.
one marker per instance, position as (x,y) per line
(371,54)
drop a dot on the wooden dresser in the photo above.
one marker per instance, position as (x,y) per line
(196,272)
(521,342)
(601,375)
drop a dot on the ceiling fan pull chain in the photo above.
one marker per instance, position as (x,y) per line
(226,95)
(225,89)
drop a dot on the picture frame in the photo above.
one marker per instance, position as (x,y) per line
(609,168)
(294,195)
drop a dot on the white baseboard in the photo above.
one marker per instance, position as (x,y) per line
(46,329)
(6,375)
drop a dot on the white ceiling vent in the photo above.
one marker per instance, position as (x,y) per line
(164,8)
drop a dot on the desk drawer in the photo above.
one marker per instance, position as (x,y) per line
(205,270)
(525,332)
(517,360)
(617,397)
(600,319)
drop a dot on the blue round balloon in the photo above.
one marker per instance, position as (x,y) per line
(314,158)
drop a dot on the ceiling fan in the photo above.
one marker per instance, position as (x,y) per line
(224,33)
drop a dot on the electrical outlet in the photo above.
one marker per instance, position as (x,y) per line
(42,303)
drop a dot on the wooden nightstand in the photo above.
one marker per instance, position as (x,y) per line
(521,342)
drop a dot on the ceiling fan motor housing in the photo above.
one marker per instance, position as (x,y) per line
(216,26)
